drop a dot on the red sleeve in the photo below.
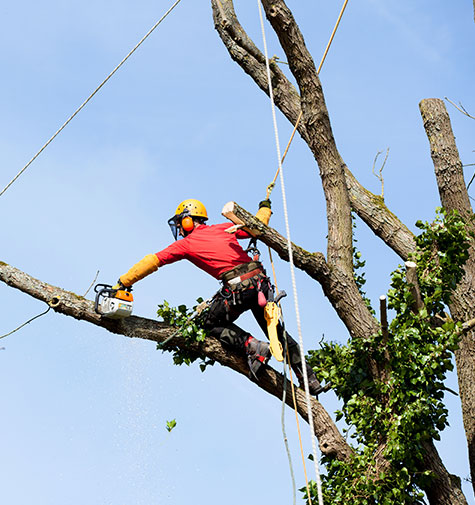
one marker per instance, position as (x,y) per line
(174,252)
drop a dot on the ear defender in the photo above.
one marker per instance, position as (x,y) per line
(187,223)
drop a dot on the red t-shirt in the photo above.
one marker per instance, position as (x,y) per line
(210,248)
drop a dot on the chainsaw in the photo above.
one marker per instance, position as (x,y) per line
(113,303)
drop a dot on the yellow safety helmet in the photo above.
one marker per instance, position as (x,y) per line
(195,208)
(184,214)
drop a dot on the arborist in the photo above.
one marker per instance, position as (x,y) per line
(244,282)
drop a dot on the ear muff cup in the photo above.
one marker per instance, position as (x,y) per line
(187,223)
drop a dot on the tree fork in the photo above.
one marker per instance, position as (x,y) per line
(369,207)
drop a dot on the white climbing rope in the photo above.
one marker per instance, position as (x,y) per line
(292,268)
(90,96)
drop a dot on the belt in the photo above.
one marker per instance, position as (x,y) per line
(243,277)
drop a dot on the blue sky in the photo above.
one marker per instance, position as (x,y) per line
(84,411)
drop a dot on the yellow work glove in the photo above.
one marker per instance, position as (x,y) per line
(140,270)
(264,213)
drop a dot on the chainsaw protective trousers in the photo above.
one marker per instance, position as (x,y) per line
(228,305)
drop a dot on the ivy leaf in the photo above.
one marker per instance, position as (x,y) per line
(171,424)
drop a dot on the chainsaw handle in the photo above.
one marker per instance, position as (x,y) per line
(100,289)
(103,286)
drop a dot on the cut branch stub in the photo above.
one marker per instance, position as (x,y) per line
(411,276)
(384,317)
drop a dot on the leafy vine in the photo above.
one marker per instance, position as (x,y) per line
(395,414)
(189,325)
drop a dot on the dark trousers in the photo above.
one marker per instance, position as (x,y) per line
(228,305)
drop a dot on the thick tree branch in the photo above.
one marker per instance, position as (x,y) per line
(369,207)
(446,488)
(67,303)
(445,155)
(245,53)
(321,140)
(384,224)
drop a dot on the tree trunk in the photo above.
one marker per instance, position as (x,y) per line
(454,196)
(446,489)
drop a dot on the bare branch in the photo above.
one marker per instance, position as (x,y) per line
(468,325)
(92,284)
(379,175)
(460,107)
(473,177)
(25,323)
(246,54)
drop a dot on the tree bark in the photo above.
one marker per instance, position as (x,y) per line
(411,276)
(446,488)
(331,442)
(321,140)
(454,196)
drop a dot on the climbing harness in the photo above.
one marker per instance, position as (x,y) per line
(90,96)
(240,279)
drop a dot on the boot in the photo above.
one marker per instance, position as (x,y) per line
(258,354)
(314,386)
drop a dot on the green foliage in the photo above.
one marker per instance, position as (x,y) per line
(171,424)
(394,414)
(189,326)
